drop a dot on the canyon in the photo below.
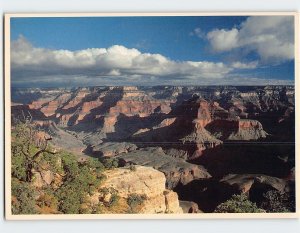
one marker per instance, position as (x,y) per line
(202,143)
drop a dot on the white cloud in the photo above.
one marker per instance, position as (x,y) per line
(271,37)
(113,61)
(116,65)
(223,40)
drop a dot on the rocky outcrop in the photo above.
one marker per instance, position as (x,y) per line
(77,98)
(248,130)
(201,138)
(244,182)
(146,182)
(51,107)
(38,103)
(131,104)
(189,207)
(240,129)
(42,178)
(62,139)
(111,149)
(141,181)
(86,109)
(176,170)
(165,123)
(109,123)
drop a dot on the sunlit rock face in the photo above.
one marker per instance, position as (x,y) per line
(146,182)
(200,118)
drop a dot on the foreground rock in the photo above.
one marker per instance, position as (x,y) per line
(256,185)
(176,170)
(189,207)
(244,182)
(144,182)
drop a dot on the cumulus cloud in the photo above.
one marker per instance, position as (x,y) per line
(271,37)
(223,40)
(116,65)
(115,61)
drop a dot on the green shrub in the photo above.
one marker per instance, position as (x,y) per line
(69,196)
(135,200)
(132,167)
(18,163)
(110,163)
(113,200)
(79,178)
(98,210)
(276,202)
(24,198)
(238,204)
(48,199)
(95,164)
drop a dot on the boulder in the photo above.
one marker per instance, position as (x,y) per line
(47,176)
(189,207)
(43,178)
(145,182)
(37,180)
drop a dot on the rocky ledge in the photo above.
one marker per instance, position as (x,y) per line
(143,182)
(176,170)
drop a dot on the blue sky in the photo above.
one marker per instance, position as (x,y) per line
(152,50)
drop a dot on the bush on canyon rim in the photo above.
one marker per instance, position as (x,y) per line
(23,198)
(135,200)
(238,204)
(31,156)
(276,202)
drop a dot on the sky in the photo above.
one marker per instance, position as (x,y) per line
(178,50)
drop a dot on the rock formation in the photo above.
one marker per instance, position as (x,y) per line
(189,207)
(176,170)
(147,182)
(110,149)
(244,182)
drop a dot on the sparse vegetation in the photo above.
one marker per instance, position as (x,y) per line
(23,198)
(110,163)
(238,204)
(276,202)
(72,180)
(135,200)
(113,200)
(132,167)
(28,146)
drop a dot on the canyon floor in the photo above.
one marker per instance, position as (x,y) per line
(210,142)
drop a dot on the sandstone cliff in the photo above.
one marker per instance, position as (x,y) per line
(145,182)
